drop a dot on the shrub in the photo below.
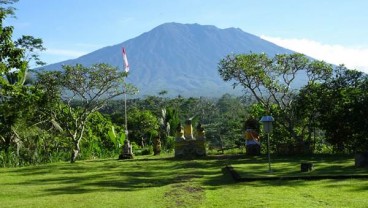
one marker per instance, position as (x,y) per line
(147,150)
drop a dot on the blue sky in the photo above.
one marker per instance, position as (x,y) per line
(332,30)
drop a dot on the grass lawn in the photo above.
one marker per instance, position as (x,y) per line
(151,181)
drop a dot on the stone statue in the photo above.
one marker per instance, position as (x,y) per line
(251,137)
(188,130)
(188,146)
(156,146)
(200,132)
(179,133)
(127,151)
(127,147)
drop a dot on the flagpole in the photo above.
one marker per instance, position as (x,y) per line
(125,111)
(127,149)
(126,66)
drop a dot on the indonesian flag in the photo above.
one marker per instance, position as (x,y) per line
(126,64)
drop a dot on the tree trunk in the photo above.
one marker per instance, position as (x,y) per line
(75,151)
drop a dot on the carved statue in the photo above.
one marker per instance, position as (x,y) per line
(179,133)
(127,151)
(251,127)
(127,148)
(156,146)
(251,137)
(188,130)
(186,145)
(200,132)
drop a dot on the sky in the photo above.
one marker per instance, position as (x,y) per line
(331,30)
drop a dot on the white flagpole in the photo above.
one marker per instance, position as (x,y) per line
(125,113)
(126,66)
(127,148)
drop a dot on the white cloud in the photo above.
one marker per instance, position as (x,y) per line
(351,57)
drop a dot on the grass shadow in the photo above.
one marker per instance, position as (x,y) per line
(146,172)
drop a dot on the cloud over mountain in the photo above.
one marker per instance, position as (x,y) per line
(352,57)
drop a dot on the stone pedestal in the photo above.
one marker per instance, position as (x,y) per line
(186,146)
(306,167)
(127,152)
(253,149)
(190,148)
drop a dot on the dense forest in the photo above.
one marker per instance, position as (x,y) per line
(78,112)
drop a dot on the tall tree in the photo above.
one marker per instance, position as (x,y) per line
(271,80)
(342,111)
(15,98)
(143,124)
(229,123)
(90,88)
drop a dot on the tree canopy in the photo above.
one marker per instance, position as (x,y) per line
(272,81)
(84,90)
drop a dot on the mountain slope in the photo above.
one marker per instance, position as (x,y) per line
(179,58)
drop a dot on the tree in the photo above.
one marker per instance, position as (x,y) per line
(143,124)
(229,123)
(90,88)
(11,57)
(306,106)
(99,142)
(16,99)
(341,107)
(164,126)
(7,10)
(31,46)
(271,81)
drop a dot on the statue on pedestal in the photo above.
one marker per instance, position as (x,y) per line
(253,146)
(188,130)
(156,146)
(188,146)
(127,151)
(200,132)
(179,133)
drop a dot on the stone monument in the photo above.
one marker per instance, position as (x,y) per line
(186,145)
(188,130)
(156,146)
(127,152)
(179,133)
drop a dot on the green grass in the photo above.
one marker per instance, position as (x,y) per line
(323,165)
(150,181)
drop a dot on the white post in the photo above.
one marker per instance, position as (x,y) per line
(125,113)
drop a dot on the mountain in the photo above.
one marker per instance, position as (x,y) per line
(179,58)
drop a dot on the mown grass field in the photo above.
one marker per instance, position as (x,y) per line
(151,181)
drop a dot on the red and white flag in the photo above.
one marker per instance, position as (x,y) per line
(126,64)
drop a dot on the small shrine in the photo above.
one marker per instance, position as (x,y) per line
(187,144)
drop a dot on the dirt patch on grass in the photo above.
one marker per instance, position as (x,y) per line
(184,193)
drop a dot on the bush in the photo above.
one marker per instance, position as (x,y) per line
(147,150)
(170,144)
